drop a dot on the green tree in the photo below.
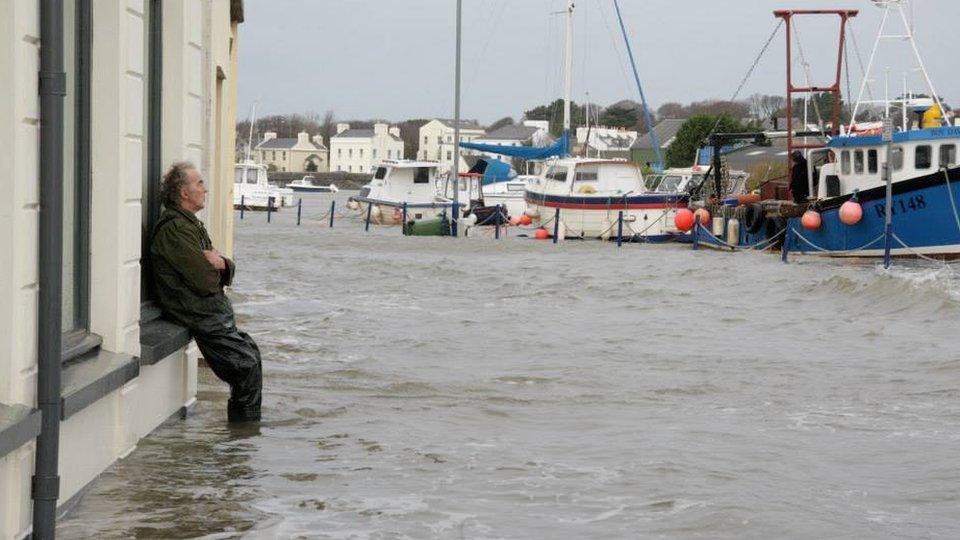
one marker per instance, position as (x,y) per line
(553,113)
(693,134)
(621,117)
(503,122)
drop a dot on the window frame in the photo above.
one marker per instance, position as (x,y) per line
(896,158)
(153,139)
(873,161)
(846,166)
(858,162)
(916,156)
(951,160)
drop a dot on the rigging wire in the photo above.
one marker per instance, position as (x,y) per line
(806,71)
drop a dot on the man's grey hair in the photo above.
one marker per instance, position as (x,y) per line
(173,181)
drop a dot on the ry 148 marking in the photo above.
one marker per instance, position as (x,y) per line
(902,206)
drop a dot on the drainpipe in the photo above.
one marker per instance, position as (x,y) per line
(46,481)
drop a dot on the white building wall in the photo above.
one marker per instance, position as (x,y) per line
(94,438)
(19,213)
(357,154)
(436,143)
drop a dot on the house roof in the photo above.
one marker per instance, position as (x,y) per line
(511,133)
(361,134)
(464,124)
(286,143)
(666,130)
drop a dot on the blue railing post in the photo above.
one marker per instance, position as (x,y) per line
(499,217)
(403,223)
(299,210)
(242,204)
(887,244)
(333,208)
(620,228)
(787,236)
(269,208)
(366,226)
(696,232)
(556,225)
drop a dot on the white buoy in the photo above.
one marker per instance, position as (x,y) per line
(717,226)
(733,231)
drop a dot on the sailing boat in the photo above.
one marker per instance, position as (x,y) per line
(590,197)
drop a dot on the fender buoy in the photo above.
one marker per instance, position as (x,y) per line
(541,234)
(525,220)
(683,219)
(704,216)
(851,212)
(811,220)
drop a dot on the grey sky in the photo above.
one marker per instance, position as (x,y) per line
(393,59)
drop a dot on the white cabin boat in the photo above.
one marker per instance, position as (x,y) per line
(415,185)
(252,190)
(590,194)
(306,185)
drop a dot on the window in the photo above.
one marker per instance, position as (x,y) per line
(339,153)
(422,175)
(361,152)
(374,153)
(350,153)
(948,155)
(845,162)
(439,139)
(284,155)
(872,161)
(449,155)
(339,168)
(858,162)
(75,320)
(350,168)
(381,173)
(389,154)
(585,176)
(361,168)
(923,158)
(425,140)
(273,155)
(558,174)
(896,158)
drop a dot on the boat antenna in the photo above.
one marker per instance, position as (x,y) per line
(658,166)
(887,6)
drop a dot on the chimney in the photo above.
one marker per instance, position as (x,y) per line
(303,138)
(380,129)
(269,135)
(318,141)
(395,131)
(342,127)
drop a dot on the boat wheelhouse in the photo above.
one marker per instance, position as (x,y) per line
(252,190)
(399,184)
(589,194)
(306,185)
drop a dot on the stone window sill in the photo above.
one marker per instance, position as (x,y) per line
(159,339)
(19,425)
(93,376)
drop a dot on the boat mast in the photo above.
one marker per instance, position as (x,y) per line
(253,120)
(643,99)
(568,72)
(455,173)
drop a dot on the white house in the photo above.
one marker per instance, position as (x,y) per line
(605,141)
(303,154)
(154,83)
(436,140)
(360,150)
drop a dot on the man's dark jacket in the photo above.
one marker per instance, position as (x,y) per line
(189,288)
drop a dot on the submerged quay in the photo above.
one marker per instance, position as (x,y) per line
(475,388)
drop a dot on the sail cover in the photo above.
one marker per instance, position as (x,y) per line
(557,149)
(493,170)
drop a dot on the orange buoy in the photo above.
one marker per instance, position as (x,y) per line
(397,214)
(748,198)
(811,220)
(683,220)
(704,215)
(541,234)
(515,220)
(525,220)
(851,212)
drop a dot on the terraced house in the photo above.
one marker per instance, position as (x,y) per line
(100,96)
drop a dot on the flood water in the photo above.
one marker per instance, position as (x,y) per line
(475,388)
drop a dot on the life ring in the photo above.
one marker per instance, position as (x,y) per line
(397,215)
(753,218)
(587,189)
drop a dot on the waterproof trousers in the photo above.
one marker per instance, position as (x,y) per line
(235,358)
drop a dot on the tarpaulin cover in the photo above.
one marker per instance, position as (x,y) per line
(493,170)
(557,149)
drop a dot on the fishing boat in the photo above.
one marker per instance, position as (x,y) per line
(876,191)
(406,185)
(306,185)
(589,195)
(253,191)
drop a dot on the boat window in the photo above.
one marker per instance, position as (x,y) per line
(557,173)
(923,159)
(872,161)
(516,187)
(670,183)
(238,176)
(585,175)
(858,162)
(652,181)
(381,173)
(422,175)
(896,158)
(845,162)
(948,155)
(251,176)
